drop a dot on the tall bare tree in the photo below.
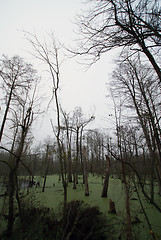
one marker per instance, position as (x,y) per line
(22,123)
(122,154)
(48,53)
(78,127)
(17,77)
(68,127)
(109,24)
(19,85)
(107,175)
(137,83)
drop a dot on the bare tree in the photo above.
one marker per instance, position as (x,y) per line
(48,53)
(68,127)
(17,77)
(83,125)
(122,154)
(107,175)
(109,24)
(79,124)
(23,122)
(19,82)
(47,161)
(95,141)
(137,83)
(85,172)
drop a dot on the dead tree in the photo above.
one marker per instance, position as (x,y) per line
(13,171)
(85,172)
(106,181)
(48,53)
(46,167)
(17,77)
(134,26)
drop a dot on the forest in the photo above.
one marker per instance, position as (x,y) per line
(84,183)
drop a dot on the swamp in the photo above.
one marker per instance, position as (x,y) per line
(53,196)
(73,165)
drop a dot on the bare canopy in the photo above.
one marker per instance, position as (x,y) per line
(109,24)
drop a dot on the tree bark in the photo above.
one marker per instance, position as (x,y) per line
(85,172)
(106,181)
(12,176)
(46,167)
(69,166)
(6,111)
(129,235)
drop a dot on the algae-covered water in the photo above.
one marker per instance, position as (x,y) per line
(53,197)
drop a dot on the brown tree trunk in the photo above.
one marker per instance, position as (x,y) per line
(143,209)
(147,137)
(46,168)
(77,155)
(74,174)
(6,111)
(151,59)
(106,181)
(74,181)
(11,199)
(129,235)
(69,166)
(12,176)
(85,172)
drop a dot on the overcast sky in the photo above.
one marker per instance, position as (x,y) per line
(78,87)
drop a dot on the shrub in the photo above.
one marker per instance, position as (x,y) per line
(84,222)
(77,221)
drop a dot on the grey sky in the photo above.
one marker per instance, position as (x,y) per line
(78,87)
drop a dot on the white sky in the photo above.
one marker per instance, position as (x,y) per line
(78,87)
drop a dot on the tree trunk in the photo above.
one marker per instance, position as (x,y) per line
(69,166)
(13,171)
(77,155)
(129,235)
(151,59)
(157,170)
(85,172)
(74,175)
(6,111)
(81,154)
(143,209)
(46,168)
(11,199)
(74,181)
(106,181)
(147,137)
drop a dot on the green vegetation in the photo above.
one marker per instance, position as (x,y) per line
(43,210)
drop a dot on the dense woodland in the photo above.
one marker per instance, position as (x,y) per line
(132,153)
